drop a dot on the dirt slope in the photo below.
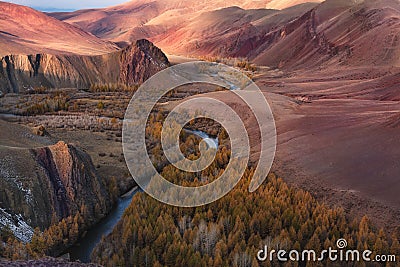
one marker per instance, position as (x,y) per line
(147,19)
(344,33)
(26,31)
(228,32)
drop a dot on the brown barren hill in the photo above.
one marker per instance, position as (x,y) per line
(227,32)
(306,35)
(24,30)
(282,4)
(309,35)
(148,19)
(336,32)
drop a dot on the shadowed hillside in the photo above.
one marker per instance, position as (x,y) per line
(131,65)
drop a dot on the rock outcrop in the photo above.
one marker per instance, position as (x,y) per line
(71,179)
(132,65)
(41,183)
(142,56)
(39,130)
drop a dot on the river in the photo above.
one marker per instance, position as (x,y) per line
(211,142)
(82,249)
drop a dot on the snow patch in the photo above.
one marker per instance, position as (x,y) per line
(17,225)
(7,172)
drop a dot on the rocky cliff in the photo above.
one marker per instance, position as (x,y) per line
(133,60)
(40,183)
(71,179)
(131,65)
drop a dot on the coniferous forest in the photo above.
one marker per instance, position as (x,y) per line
(230,231)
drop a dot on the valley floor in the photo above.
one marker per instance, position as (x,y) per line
(338,137)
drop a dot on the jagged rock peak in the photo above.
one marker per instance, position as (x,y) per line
(140,61)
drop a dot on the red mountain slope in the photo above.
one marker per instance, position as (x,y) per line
(26,31)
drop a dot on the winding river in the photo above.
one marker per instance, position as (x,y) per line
(85,245)
(211,142)
(82,249)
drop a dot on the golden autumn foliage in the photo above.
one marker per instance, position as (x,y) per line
(230,231)
(50,242)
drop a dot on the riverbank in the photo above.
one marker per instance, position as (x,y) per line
(83,248)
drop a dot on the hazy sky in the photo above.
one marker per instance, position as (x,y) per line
(66,5)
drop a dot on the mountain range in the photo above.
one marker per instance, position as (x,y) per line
(334,32)
(300,34)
